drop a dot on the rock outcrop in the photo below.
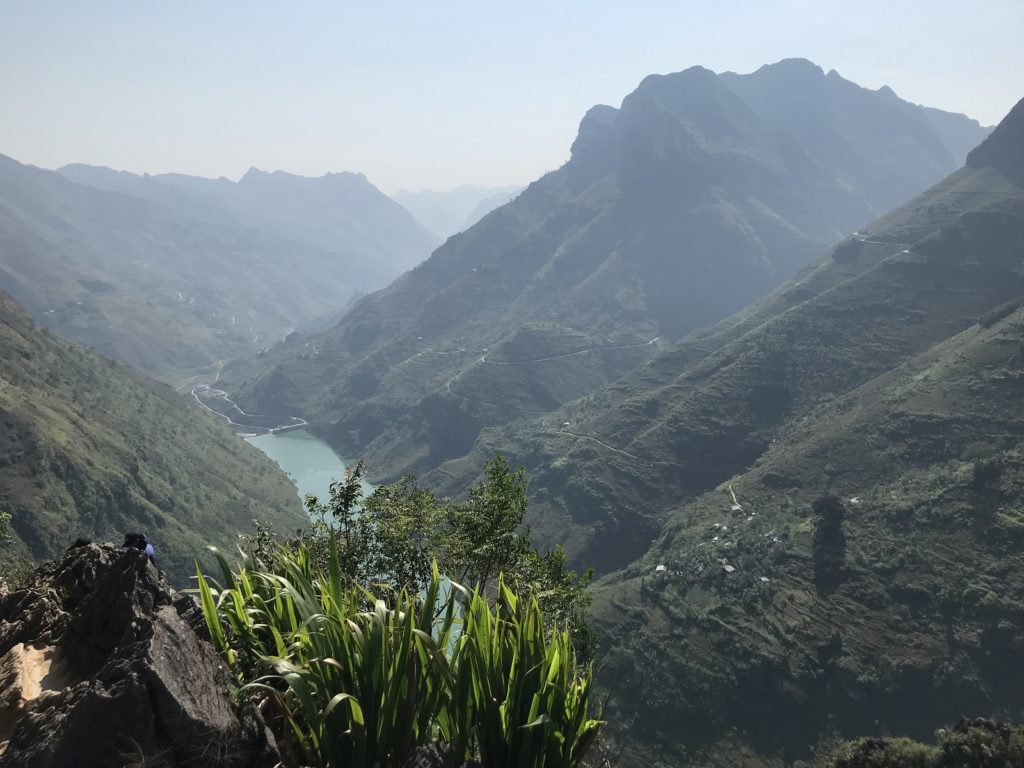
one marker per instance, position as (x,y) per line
(101,665)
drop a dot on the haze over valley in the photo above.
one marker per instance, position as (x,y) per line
(171,273)
(679,208)
(561,388)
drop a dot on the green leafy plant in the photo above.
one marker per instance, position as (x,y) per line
(355,677)
(518,693)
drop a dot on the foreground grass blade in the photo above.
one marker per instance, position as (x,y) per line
(358,678)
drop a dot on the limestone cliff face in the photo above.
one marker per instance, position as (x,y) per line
(101,665)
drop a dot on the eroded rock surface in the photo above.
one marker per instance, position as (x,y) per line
(100,665)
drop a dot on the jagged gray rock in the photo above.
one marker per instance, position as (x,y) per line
(100,665)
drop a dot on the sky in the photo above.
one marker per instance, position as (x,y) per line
(437,94)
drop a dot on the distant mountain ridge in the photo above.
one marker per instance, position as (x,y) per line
(691,200)
(339,211)
(446,213)
(173,273)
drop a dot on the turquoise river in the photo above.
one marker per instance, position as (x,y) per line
(310,462)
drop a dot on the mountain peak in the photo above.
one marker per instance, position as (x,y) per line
(340,178)
(253,174)
(347,175)
(596,133)
(795,66)
(689,76)
(696,96)
(1004,147)
(600,113)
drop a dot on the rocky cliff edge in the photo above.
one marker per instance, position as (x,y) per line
(101,665)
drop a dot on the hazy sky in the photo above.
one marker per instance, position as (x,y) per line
(437,94)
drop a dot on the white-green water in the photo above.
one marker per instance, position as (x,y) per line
(310,462)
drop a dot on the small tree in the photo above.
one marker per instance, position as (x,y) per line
(484,535)
(350,532)
(393,535)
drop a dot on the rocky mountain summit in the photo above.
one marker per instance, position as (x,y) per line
(101,664)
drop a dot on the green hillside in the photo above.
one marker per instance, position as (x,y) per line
(878,571)
(90,448)
(684,205)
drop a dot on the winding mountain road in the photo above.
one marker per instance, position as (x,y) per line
(219,394)
(568,354)
(485,361)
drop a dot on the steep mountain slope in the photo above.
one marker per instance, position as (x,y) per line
(833,480)
(445,213)
(870,583)
(606,467)
(89,448)
(167,279)
(488,204)
(679,208)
